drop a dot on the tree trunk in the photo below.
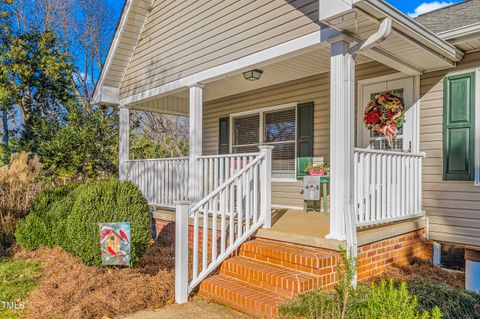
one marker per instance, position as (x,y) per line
(5,135)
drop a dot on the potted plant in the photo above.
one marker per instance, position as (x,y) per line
(317,169)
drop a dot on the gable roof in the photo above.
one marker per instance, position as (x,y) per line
(436,53)
(455,16)
(127,35)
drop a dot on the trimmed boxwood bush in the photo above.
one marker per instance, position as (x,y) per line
(105,201)
(68,216)
(47,218)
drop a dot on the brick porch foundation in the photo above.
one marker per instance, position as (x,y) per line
(264,274)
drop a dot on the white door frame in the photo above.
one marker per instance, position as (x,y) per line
(411,130)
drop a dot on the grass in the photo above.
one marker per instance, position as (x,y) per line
(17,279)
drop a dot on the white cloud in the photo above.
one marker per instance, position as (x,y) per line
(429,6)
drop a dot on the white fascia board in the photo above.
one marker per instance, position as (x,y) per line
(459,35)
(107,95)
(112,50)
(271,55)
(406,23)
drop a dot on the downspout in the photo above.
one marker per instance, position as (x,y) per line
(381,35)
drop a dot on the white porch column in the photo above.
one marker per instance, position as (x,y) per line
(342,123)
(195,141)
(123,141)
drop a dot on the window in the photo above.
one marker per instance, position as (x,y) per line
(279,131)
(276,127)
(246,133)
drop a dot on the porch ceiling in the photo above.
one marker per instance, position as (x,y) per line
(300,66)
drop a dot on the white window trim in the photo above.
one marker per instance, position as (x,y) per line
(477,128)
(416,98)
(261,111)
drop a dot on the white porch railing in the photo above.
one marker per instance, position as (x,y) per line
(162,180)
(388,186)
(224,218)
(215,169)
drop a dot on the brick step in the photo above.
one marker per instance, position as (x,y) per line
(242,296)
(284,281)
(311,260)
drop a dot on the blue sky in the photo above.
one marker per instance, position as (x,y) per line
(415,7)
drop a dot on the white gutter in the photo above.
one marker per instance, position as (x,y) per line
(383,32)
(407,24)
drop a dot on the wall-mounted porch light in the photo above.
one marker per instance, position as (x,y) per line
(252,75)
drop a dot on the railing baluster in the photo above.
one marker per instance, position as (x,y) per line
(384,186)
(355,193)
(387,185)
(232,213)
(223,226)
(373,187)
(360,183)
(255,194)
(205,238)
(239,207)
(367,186)
(195,245)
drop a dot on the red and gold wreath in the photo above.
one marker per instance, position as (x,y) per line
(384,115)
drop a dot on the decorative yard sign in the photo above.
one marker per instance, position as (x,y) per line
(311,187)
(384,115)
(115,243)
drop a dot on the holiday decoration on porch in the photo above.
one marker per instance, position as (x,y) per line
(115,243)
(384,115)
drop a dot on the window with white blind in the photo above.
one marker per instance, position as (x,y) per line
(276,127)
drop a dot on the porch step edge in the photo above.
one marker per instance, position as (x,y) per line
(284,281)
(301,258)
(254,301)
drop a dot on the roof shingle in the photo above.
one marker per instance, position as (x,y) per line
(451,17)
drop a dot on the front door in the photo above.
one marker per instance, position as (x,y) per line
(401,87)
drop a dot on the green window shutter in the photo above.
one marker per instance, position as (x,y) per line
(458,127)
(304,136)
(224,135)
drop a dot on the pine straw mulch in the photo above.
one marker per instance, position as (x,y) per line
(69,289)
(420,269)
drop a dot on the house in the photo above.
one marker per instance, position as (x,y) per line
(271,85)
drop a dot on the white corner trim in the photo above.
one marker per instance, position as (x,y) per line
(477,128)
(276,53)
(106,95)
(112,50)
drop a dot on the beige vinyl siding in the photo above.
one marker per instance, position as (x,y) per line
(453,207)
(213,32)
(314,88)
(128,40)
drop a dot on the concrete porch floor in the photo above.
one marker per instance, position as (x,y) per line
(297,227)
(310,229)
